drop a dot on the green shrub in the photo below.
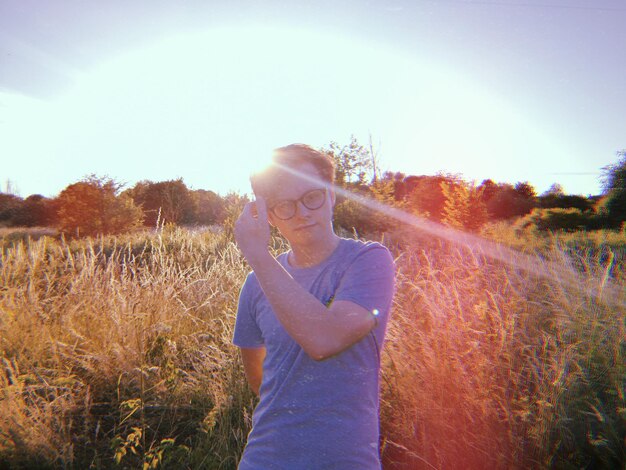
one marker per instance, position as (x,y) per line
(571,219)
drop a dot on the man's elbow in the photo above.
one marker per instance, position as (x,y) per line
(321,352)
(319,357)
(331,346)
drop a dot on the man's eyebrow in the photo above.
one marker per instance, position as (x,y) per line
(271,202)
(278,199)
(273,199)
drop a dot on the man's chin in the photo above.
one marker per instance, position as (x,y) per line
(306,234)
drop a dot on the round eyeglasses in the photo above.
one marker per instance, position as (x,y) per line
(287,208)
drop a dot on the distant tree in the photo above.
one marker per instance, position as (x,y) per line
(374,160)
(177,202)
(463,207)
(553,219)
(614,188)
(382,191)
(11,188)
(525,190)
(426,196)
(167,201)
(208,207)
(411,182)
(507,203)
(351,215)
(10,206)
(393,176)
(36,211)
(487,189)
(399,188)
(555,189)
(92,207)
(353,162)
(565,201)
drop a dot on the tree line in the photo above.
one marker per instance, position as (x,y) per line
(99,205)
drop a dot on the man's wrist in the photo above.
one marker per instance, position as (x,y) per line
(259,258)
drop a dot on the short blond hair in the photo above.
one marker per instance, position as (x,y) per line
(291,157)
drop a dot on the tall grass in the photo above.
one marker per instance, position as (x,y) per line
(103,337)
(489,367)
(116,352)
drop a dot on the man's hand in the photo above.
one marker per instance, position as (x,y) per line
(252,231)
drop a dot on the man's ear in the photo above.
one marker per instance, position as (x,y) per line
(333,197)
(270,218)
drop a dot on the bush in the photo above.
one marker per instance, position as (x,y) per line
(92,207)
(560,219)
(351,216)
(565,201)
(614,183)
(10,206)
(507,203)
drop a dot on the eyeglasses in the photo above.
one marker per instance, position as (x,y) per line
(287,208)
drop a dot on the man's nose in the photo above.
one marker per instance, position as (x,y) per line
(301,209)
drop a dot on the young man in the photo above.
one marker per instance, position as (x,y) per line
(310,323)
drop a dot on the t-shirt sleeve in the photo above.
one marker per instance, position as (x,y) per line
(369,281)
(247,332)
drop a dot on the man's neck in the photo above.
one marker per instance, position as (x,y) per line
(313,254)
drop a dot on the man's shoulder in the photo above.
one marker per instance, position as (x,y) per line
(359,253)
(251,287)
(358,247)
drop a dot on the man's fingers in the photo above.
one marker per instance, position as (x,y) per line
(261,208)
(247,210)
(255,210)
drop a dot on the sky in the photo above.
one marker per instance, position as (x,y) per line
(511,90)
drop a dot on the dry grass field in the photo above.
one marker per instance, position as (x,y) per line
(115,353)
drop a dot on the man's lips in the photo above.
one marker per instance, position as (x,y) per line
(304,227)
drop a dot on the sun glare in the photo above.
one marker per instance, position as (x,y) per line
(209,106)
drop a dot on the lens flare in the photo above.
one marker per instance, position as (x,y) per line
(607,293)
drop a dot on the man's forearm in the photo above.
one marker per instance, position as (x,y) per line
(321,331)
(300,313)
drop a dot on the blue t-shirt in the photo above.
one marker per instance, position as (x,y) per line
(318,414)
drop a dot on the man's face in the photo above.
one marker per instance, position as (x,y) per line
(307,223)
